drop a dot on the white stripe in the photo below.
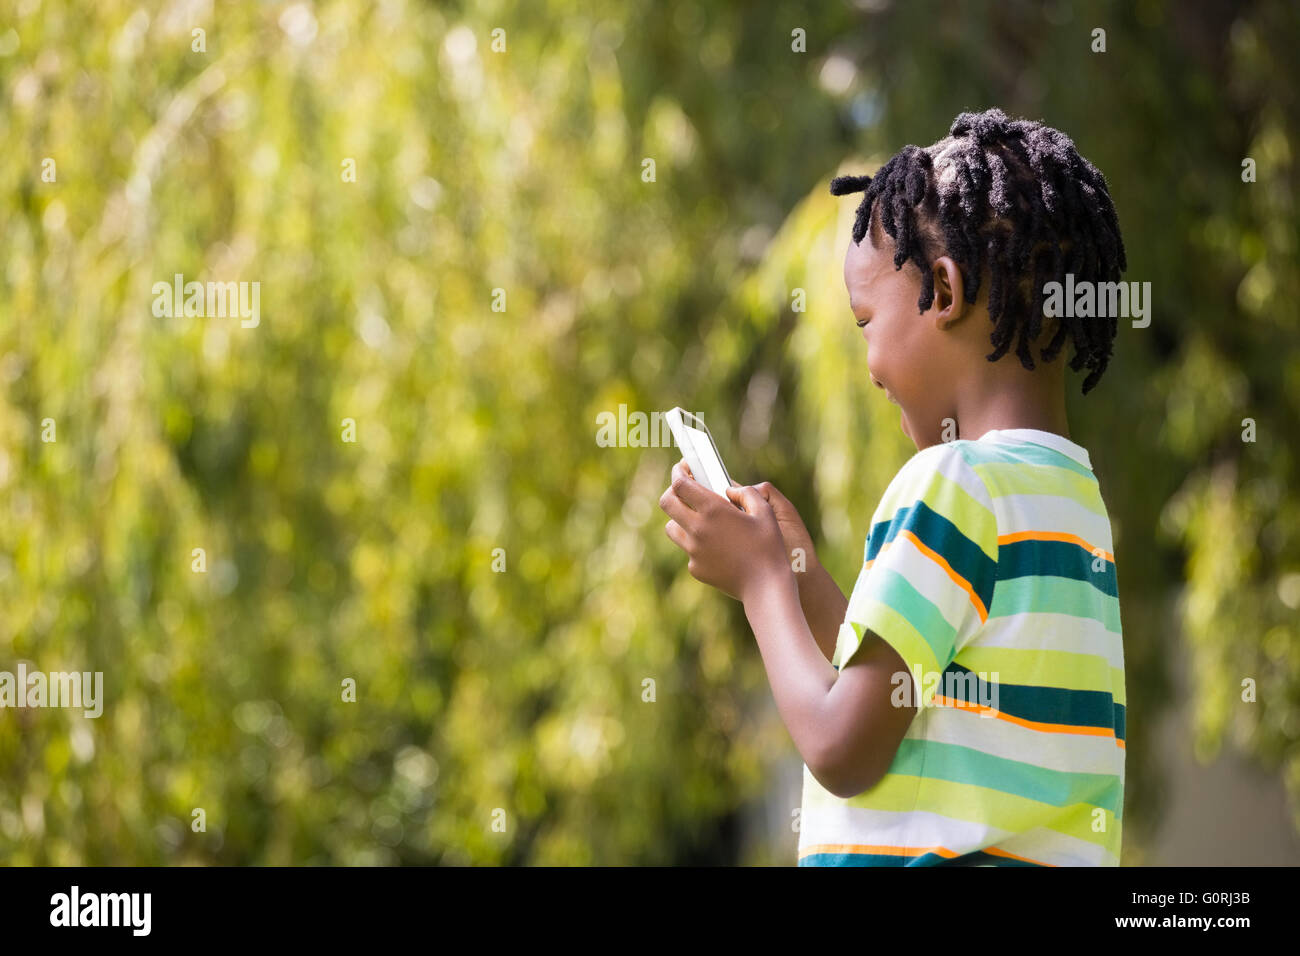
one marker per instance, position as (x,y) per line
(1014,436)
(1059,849)
(946,460)
(1070,753)
(838,824)
(931,581)
(834,821)
(1038,630)
(955,468)
(1053,514)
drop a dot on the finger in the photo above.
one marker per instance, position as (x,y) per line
(770,493)
(694,494)
(675,508)
(682,469)
(749,499)
(678,536)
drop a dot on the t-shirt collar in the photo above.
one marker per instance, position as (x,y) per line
(1047,439)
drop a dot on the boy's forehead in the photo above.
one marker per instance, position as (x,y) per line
(862,262)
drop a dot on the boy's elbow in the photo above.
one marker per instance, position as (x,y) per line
(848,786)
(861,735)
(847,775)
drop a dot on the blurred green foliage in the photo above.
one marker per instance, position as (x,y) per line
(522,691)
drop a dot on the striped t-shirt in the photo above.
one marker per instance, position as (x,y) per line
(989,568)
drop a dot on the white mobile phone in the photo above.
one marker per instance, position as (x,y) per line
(697,446)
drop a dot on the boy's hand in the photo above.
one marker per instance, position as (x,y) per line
(793,530)
(734,548)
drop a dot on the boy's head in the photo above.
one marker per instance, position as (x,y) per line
(968,232)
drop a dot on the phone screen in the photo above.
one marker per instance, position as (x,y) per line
(705,453)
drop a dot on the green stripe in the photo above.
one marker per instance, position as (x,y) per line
(1027,665)
(886,588)
(899,793)
(1004,479)
(894,629)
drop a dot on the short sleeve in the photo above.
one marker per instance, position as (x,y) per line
(929,566)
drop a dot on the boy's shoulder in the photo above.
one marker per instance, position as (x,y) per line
(957,452)
(964,457)
(943,477)
(954,460)
(999,483)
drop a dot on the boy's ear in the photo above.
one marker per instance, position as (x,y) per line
(949,293)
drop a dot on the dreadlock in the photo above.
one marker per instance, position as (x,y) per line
(1012,196)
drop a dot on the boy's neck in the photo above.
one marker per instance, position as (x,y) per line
(1022,403)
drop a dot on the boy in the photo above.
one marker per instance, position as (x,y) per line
(965,706)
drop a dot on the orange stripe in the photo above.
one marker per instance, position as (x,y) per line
(875,850)
(1054,536)
(994,851)
(939,560)
(1030,724)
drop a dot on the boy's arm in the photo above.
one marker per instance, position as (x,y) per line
(823,603)
(845,726)
(842,724)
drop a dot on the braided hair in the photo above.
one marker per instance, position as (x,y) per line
(1012,197)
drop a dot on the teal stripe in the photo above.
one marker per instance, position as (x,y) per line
(1041,705)
(945,539)
(976,858)
(967,765)
(980,858)
(856,859)
(1061,559)
(1039,595)
(890,588)
(983,453)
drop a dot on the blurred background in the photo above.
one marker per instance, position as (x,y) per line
(462,249)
